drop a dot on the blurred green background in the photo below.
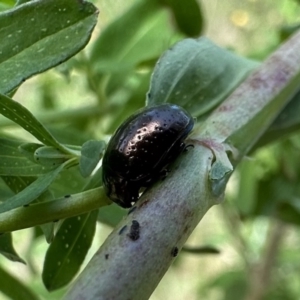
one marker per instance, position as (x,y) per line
(83,99)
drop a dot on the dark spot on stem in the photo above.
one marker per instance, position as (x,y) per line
(174,251)
(106,256)
(134,233)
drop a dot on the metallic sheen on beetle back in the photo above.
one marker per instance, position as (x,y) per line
(141,149)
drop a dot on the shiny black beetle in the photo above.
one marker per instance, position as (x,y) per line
(140,150)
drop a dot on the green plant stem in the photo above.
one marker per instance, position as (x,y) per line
(124,268)
(246,114)
(51,211)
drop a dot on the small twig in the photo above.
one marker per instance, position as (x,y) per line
(234,225)
(49,211)
(261,273)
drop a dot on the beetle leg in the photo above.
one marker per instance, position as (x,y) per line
(164,173)
(186,147)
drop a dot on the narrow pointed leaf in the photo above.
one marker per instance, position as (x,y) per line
(15,289)
(90,155)
(7,249)
(288,121)
(68,250)
(32,191)
(22,116)
(28,150)
(17,184)
(14,163)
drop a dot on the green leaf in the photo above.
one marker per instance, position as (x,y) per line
(4,7)
(14,289)
(34,190)
(7,249)
(39,35)
(48,231)
(247,189)
(19,2)
(68,250)
(277,190)
(94,181)
(221,169)
(17,184)
(135,87)
(22,116)
(111,215)
(6,4)
(187,15)
(50,157)
(139,34)
(69,181)
(28,150)
(288,121)
(279,197)
(287,30)
(5,192)
(91,153)
(14,163)
(197,75)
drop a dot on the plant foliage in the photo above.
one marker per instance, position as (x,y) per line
(52,150)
